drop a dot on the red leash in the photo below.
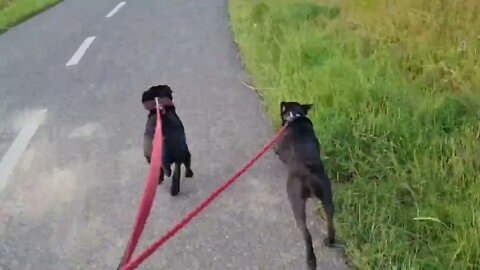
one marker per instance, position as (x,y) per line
(149,190)
(132,264)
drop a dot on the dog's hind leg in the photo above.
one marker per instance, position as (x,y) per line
(175,188)
(323,191)
(187,163)
(297,196)
(167,164)
(329,210)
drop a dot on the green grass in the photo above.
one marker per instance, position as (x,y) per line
(395,87)
(13,12)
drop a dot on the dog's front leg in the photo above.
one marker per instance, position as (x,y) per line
(275,149)
(161,176)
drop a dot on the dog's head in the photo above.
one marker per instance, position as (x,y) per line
(160,91)
(291,110)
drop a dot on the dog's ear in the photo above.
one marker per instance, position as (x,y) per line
(282,106)
(306,107)
(170,92)
(146,95)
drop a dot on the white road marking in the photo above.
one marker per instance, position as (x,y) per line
(80,51)
(18,146)
(115,10)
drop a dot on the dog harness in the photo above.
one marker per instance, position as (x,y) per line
(151,105)
(291,117)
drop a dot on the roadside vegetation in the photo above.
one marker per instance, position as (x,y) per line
(395,87)
(13,12)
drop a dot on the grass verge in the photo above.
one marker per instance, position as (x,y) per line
(13,12)
(395,87)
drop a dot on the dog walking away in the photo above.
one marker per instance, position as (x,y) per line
(175,148)
(299,149)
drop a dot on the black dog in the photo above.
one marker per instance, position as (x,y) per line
(175,148)
(299,149)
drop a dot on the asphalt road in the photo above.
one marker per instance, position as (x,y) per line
(72,195)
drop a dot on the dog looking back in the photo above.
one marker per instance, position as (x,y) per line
(175,148)
(299,149)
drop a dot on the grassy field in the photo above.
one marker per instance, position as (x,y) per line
(13,12)
(395,86)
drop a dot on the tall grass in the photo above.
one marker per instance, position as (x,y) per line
(395,86)
(13,12)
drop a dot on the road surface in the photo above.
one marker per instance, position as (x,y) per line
(71,142)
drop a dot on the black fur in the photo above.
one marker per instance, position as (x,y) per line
(175,148)
(299,149)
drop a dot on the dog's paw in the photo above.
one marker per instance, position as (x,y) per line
(174,190)
(312,263)
(189,173)
(160,180)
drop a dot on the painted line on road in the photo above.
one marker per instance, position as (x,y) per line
(115,9)
(80,51)
(19,145)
